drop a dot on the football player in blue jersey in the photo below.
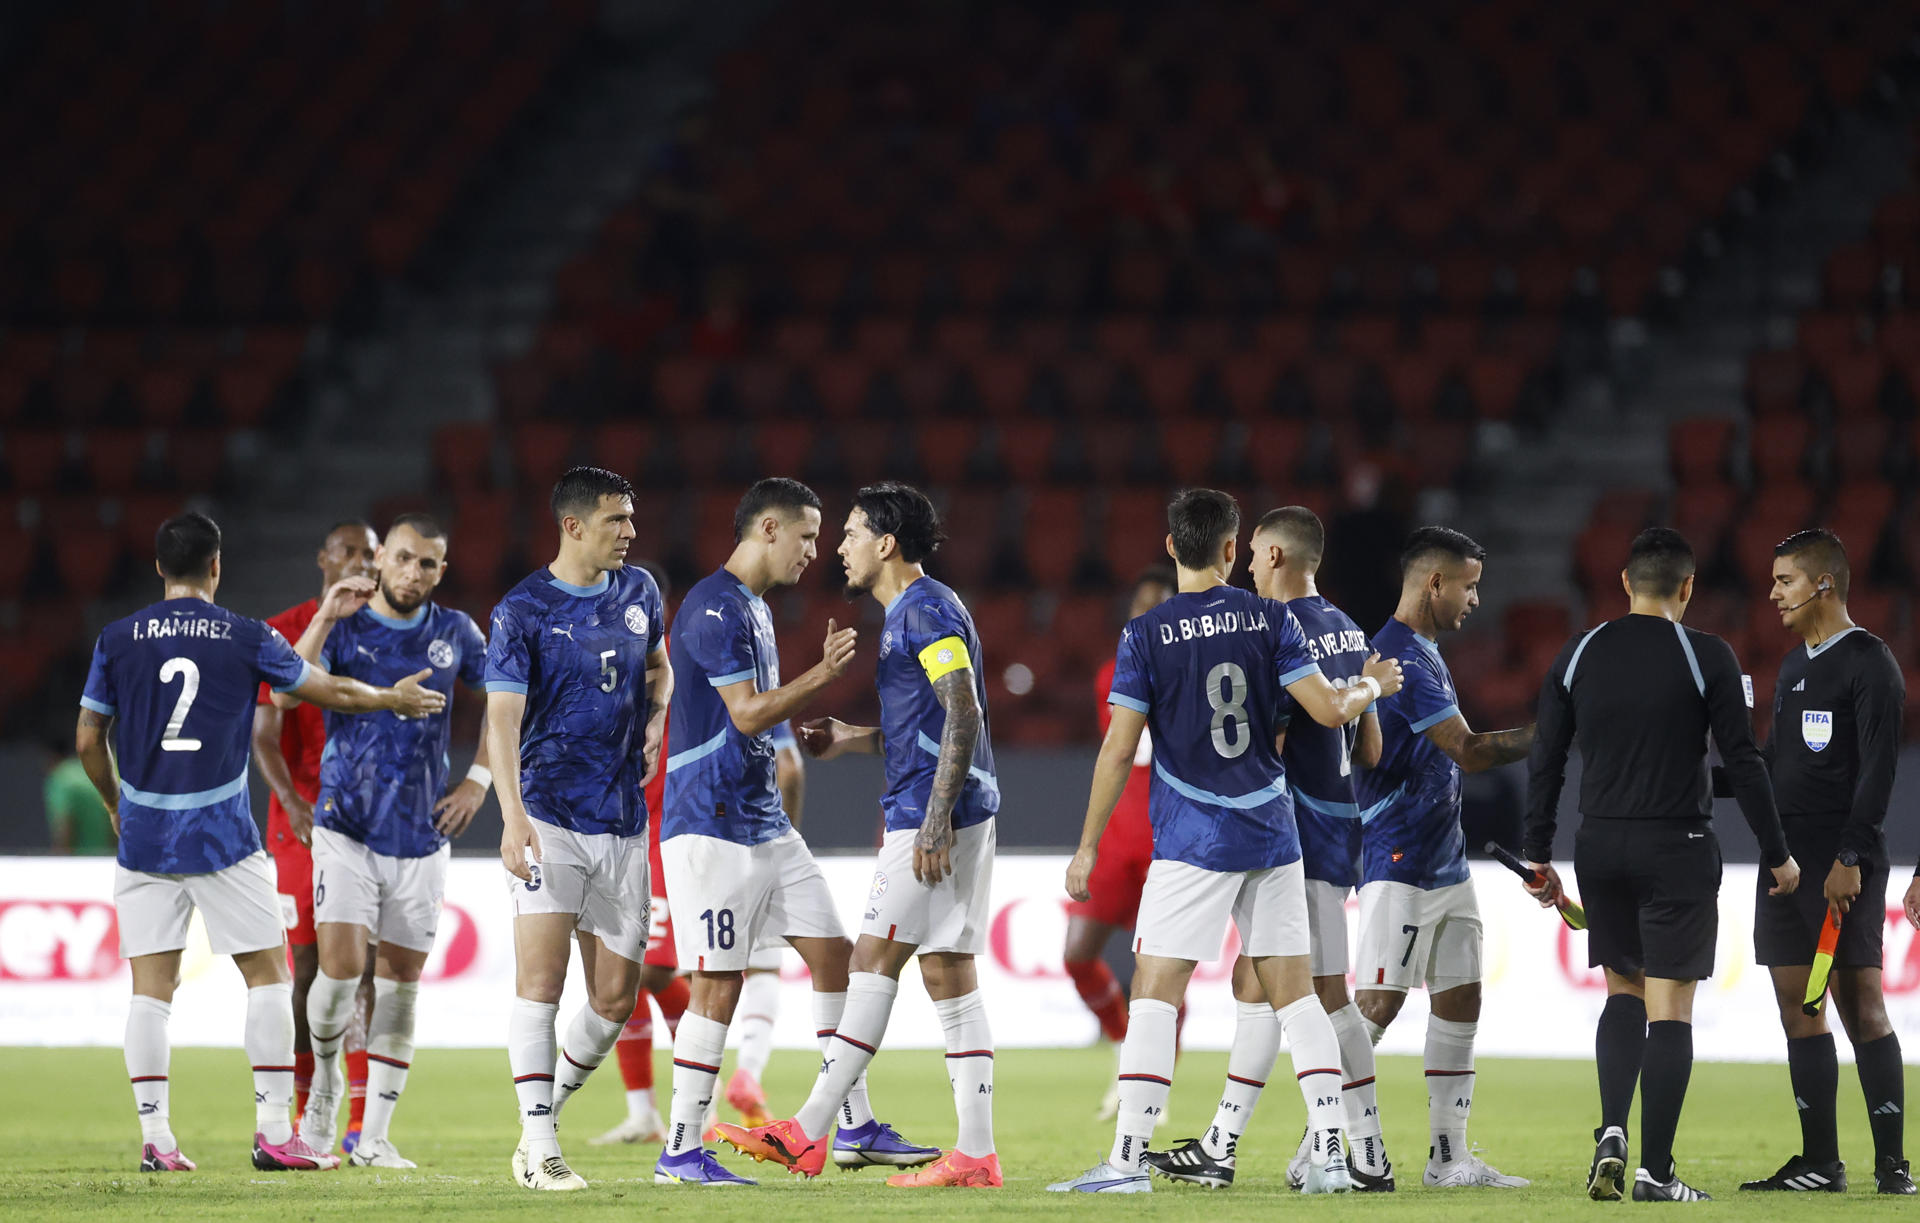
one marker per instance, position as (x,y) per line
(384,821)
(737,870)
(930,892)
(173,688)
(1287,547)
(1208,672)
(578,685)
(1419,924)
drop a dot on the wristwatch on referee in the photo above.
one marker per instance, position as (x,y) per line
(1849,858)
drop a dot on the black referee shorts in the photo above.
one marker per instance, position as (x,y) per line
(1786,929)
(1651,889)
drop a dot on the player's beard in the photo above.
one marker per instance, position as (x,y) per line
(397,603)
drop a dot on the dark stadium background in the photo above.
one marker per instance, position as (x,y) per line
(1545,273)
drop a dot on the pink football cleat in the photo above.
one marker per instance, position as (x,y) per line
(293,1155)
(163,1161)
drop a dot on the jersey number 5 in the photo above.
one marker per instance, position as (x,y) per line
(609,674)
(189,675)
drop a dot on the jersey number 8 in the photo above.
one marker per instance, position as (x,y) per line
(1231,733)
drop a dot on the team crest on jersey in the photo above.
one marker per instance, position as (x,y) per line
(879,887)
(1816,729)
(886,643)
(440,654)
(637,619)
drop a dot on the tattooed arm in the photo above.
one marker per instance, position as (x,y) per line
(1477,753)
(954,690)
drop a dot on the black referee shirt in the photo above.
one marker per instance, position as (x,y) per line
(1640,695)
(1837,710)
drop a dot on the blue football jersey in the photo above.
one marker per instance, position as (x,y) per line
(1210,669)
(180,680)
(381,774)
(720,783)
(929,633)
(579,654)
(1319,759)
(1410,805)
(783,736)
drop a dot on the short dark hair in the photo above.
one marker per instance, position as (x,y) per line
(1301,527)
(1659,563)
(578,492)
(1157,575)
(1430,543)
(773,493)
(423,525)
(345,523)
(658,572)
(186,544)
(1817,550)
(1200,520)
(902,511)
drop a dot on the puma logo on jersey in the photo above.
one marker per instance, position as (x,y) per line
(566,632)
(715,613)
(373,654)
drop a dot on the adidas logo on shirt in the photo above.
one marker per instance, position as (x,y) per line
(1800,686)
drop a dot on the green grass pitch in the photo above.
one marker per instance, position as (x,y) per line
(71,1146)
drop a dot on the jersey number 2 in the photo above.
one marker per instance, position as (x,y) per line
(189,675)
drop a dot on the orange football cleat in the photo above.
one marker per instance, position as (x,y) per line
(749,1099)
(782,1142)
(952,1171)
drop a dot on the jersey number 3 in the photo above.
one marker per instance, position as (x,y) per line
(185,670)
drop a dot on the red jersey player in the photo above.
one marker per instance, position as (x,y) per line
(1126,849)
(286,749)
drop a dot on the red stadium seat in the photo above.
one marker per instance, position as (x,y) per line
(114,458)
(1191,449)
(1779,446)
(1133,532)
(18,551)
(1774,381)
(1025,448)
(1856,380)
(34,459)
(1699,448)
(681,385)
(541,452)
(1276,449)
(946,449)
(1600,553)
(1248,380)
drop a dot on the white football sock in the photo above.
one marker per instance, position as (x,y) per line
(1146,1076)
(697,1049)
(530,1053)
(389,1052)
(856,1110)
(1316,1061)
(589,1039)
(1256,1047)
(1374,1030)
(269,1044)
(147,1057)
(970,1070)
(753,1021)
(329,1012)
(1358,1089)
(1449,1085)
(856,1038)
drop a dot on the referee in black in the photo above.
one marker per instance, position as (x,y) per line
(1640,695)
(1837,709)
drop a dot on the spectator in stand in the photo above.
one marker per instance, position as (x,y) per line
(77,821)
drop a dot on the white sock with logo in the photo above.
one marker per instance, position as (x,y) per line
(856,1110)
(1316,1061)
(389,1052)
(856,1038)
(329,1012)
(1449,1086)
(269,1042)
(589,1039)
(1146,1076)
(147,1057)
(970,1070)
(697,1049)
(1362,1102)
(530,1053)
(1256,1047)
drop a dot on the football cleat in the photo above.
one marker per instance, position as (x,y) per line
(378,1153)
(1190,1164)
(551,1173)
(1891,1176)
(748,1098)
(1103,1177)
(293,1155)
(1368,1165)
(1328,1172)
(1607,1175)
(320,1125)
(695,1167)
(648,1128)
(1472,1172)
(1673,1189)
(876,1142)
(1367,1182)
(1302,1159)
(1801,1175)
(952,1171)
(163,1161)
(782,1142)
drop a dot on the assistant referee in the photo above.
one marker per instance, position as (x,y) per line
(1837,710)
(1641,694)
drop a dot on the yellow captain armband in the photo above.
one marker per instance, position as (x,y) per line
(944,657)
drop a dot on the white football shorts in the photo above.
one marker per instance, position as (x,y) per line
(240,906)
(1413,936)
(596,877)
(1185,910)
(732,902)
(950,917)
(1327,924)
(398,900)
